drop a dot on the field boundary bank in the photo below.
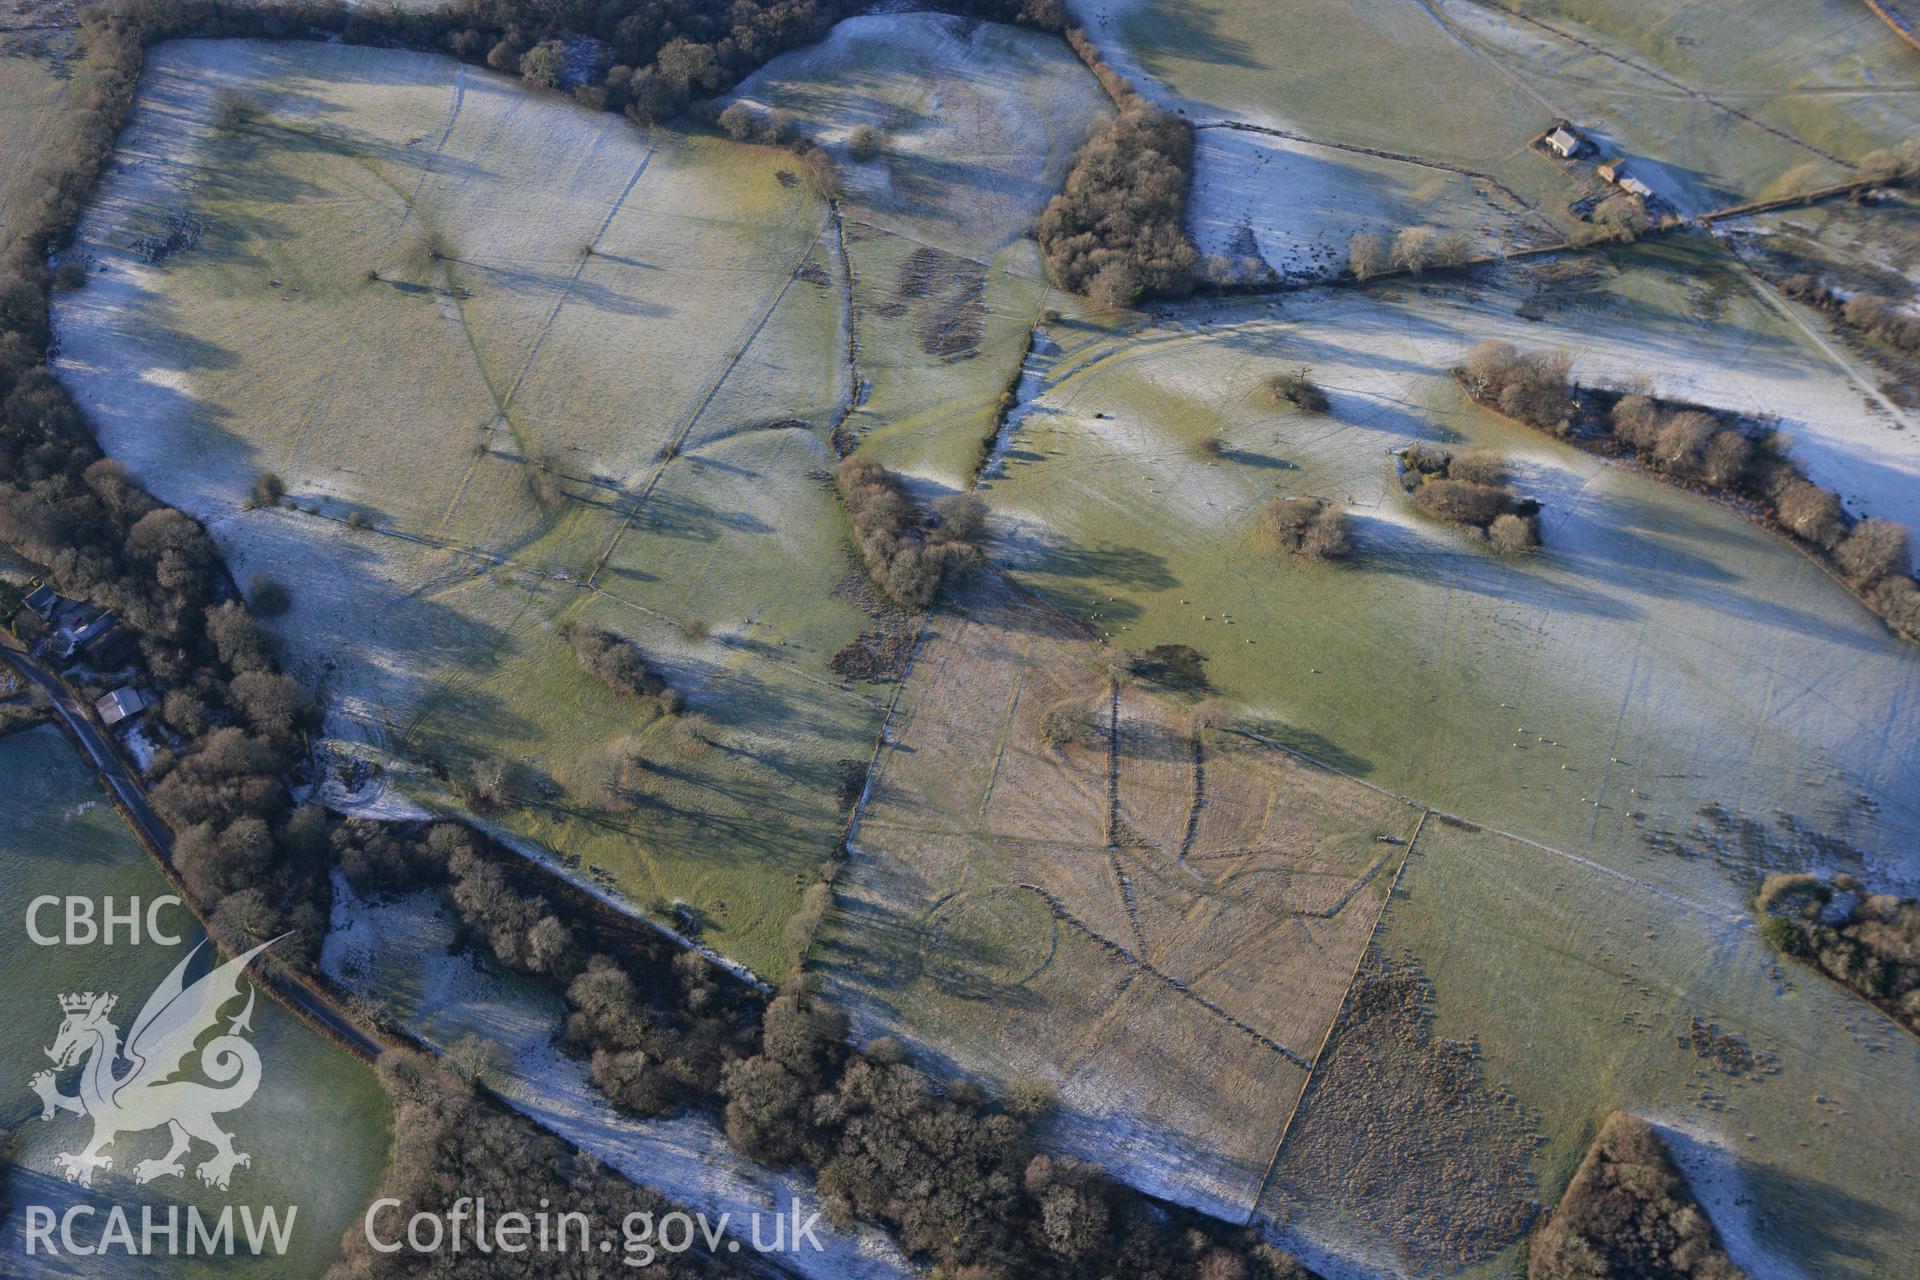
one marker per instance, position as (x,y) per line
(1065,915)
(1344,278)
(1479,175)
(1655,73)
(1732,920)
(671,451)
(1333,1023)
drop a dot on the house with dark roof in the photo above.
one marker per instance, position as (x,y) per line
(43,600)
(111,647)
(122,704)
(78,638)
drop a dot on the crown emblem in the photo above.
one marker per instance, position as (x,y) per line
(77,1003)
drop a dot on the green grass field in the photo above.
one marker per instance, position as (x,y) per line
(1658,655)
(317,1129)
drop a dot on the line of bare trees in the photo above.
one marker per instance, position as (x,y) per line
(952,1173)
(1712,452)
(1411,249)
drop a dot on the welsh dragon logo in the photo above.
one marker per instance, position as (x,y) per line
(145,1095)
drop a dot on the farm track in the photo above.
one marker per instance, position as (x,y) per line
(312,1005)
(1769,295)
(453,117)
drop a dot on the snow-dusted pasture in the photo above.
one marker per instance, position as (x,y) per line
(977,121)
(404,279)
(1393,79)
(1716,102)
(1819,71)
(1579,989)
(1711,105)
(1298,203)
(976,125)
(1658,655)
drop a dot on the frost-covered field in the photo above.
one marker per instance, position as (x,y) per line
(396,285)
(1658,655)
(974,127)
(1298,203)
(397,952)
(1712,105)
(1354,86)
(976,122)
(1811,76)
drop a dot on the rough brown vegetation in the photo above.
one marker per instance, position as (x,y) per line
(1470,488)
(947,295)
(1295,387)
(874,655)
(1628,1215)
(1407,1126)
(617,662)
(1178,667)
